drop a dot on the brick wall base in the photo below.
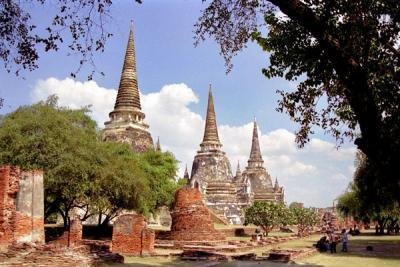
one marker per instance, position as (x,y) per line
(71,237)
(131,236)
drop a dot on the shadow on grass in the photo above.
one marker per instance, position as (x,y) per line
(382,244)
(385,249)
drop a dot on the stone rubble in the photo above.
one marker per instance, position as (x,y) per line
(91,253)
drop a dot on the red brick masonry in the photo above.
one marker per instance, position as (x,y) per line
(9,186)
(191,220)
(21,206)
(71,237)
(131,236)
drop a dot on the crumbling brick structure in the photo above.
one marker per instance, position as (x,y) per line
(191,220)
(73,236)
(21,206)
(328,220)
(131,236)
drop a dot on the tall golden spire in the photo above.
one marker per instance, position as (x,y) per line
(128,97)
(255,159)
(211,131)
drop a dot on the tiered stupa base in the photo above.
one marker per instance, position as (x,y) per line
(140,140)
(266,195)
(221,198)
(212,171)
(191,221)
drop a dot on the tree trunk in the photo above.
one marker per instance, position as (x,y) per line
(381,229)
(106,221)
(64,215)
(99,219)
(381,224)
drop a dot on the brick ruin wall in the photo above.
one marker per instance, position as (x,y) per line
(191,220)
(71,237)
(328,220)
(21,206)
(131,236)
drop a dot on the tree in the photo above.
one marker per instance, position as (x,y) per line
(296,205)
(344,56)
(121,183)
(80,170)
(160,168)
(365,201)
(349,204)
(79,26)
(304,218)
(57,140)
(266,215)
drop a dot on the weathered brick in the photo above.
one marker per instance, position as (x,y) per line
(328,220)
(131,235)
(191,220)
(72,237)
(21,206)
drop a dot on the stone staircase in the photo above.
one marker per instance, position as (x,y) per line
(217,218)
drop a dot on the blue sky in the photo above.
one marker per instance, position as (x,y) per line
(165,54)
(175,75)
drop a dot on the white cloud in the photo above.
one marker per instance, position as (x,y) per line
(314,175)
(279,140)
(170,118)
(320,146)
(75,94)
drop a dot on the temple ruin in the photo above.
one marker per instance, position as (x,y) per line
(191,220)
(255,183)
(21,206)
(126,122)
(225,194)
(131,236)
(72,236)
(211,171)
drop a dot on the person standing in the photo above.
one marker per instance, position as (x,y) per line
(345,240)
(332,242)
